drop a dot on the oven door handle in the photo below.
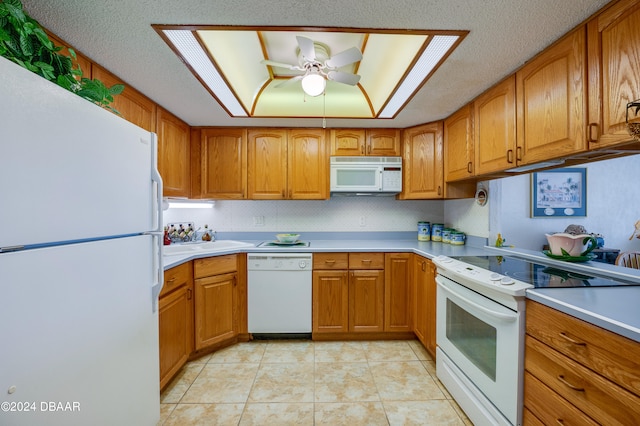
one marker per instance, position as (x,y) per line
(490,312)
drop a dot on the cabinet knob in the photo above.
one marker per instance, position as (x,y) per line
(519,153)
(470,167)
(593,126)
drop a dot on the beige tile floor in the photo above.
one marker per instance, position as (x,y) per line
(303,382)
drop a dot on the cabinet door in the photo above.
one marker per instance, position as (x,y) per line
(430,307)
(330,301)
(381,142)
(132,105)
(215,301)
(174,160)
(550,102)
(458,145)
(422,162)
(223,163)
(495,128)
(397,294)
(420,298)
(614,71)
(175,319)
(347,142)
(366,301)
(267,164)
(308,169)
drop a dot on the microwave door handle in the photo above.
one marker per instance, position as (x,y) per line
(498,315)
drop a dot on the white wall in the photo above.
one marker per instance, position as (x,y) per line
(613,207)
(337,214)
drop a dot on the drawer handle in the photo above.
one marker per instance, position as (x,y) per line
(366,260)
(565,382)
(560,421)
(331,262)
(171,280)
(569,339)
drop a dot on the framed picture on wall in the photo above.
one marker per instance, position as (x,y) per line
(559,193)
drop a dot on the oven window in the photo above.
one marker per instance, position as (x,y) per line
(473,337)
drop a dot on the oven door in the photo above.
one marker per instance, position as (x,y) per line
(483,339)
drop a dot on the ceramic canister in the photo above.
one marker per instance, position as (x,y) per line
(436,231)
(457,238)
(446,235)
(424,231)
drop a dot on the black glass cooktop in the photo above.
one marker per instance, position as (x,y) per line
(539,275)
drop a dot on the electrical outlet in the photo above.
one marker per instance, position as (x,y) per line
(258,221)
(363,221)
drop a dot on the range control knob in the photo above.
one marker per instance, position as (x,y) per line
(507,281)
(495,277)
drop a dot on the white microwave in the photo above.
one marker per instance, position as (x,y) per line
(366,175)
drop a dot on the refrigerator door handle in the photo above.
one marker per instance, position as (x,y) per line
(156,182)
(158,275)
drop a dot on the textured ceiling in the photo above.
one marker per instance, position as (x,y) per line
(503,34)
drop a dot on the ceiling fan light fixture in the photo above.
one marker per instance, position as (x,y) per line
(313,84)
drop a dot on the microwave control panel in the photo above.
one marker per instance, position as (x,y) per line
(392,178)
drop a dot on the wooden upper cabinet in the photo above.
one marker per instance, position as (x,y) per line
(223,163)
(132,105)
(422,162)
(287,164)
(358,142)
(494,130)
(174,159)
(551,103)
(614,72)
(267,164)
(458,145)
(347,142)
(383,142)
(307,165)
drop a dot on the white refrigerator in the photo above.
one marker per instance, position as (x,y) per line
(80,260)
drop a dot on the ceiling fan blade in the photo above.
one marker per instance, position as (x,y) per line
(288,81)
(346,57)
(280,65)
(307,48)
(343,77)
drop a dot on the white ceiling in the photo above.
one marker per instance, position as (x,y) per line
(503,34)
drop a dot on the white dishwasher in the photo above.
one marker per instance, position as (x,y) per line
(279,293)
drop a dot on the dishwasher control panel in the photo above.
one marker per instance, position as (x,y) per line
(280,262)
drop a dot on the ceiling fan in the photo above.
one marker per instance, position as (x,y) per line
(318,66)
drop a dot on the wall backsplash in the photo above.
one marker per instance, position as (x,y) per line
(338,214)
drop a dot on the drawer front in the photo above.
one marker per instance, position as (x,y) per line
(549,407)
(175,278)
(599,398)
(366,260)
(604,352)
(330,260)
(215,265)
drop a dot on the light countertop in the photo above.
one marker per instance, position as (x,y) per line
(613,308)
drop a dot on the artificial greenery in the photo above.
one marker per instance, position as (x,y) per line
(23,41)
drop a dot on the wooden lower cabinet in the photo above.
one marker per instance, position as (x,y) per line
(175,321)
(330,301)
(398,274)
(366,300)
(362,293)
(578,373)
(217,296)
(424,302)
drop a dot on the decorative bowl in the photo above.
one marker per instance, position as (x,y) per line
(287,238)
(569,245)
